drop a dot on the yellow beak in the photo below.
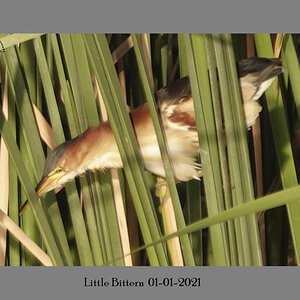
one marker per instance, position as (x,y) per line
(48,183)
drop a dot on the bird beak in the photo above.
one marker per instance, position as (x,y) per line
(48,183)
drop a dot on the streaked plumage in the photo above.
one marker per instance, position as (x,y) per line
(96,148)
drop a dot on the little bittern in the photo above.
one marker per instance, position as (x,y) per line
(96,148)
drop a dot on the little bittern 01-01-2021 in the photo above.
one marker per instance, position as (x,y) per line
(96,148)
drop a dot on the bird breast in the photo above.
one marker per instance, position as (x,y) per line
(181,143)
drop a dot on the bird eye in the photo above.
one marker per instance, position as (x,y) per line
(58,170)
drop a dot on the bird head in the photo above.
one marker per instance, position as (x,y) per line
(60,167)
(95,149)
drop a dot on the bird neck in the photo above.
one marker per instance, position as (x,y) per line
(102,151)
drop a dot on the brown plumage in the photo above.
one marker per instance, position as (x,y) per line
(96,148)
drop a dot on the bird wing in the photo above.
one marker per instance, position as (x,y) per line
(256,75)
(176,105)
(262,68)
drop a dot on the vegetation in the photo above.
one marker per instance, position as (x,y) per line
(245,211)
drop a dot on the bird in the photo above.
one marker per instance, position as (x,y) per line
(96,148)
